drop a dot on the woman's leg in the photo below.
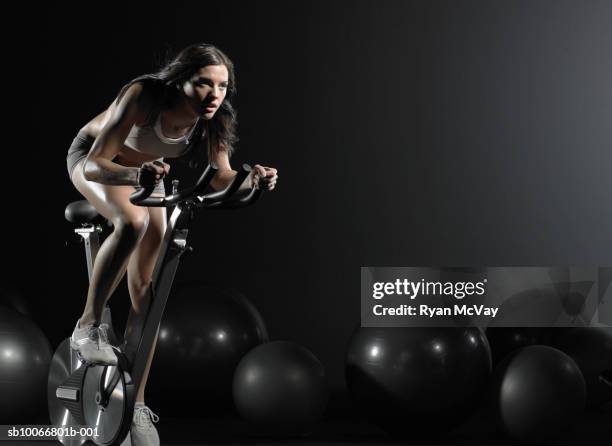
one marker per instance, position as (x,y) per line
(130,224)
(139,274)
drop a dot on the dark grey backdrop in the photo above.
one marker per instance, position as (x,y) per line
(406,133)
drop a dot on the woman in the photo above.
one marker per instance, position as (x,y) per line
(182,110)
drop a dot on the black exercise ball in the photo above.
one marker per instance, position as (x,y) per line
(417,382)
(204,333)
(505,340)
(591,348)
(281,388)
(537,392)
(25,354)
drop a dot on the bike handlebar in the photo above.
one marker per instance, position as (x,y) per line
(224,199)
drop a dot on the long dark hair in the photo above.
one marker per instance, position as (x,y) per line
(218,133)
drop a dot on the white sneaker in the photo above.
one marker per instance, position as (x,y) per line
(92,344)
(142,432)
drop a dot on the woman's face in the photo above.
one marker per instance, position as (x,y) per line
(206,90)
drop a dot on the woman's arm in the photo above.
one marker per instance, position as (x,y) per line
(98,166)
(225,174)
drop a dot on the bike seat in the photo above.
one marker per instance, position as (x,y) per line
(79,212)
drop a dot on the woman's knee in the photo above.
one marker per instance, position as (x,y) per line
(133,226)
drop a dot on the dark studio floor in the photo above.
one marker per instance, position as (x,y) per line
(590,430)
(342,428)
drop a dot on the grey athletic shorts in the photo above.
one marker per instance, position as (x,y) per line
(80,148)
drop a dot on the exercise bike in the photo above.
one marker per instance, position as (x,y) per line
(99,398)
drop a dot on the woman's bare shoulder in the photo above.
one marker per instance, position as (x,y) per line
(139,95)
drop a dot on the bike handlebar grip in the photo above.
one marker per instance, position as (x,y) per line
(141,194)
(252,197)
(205,178)
(245,201)
(244,171)
(219,196)
(248,200)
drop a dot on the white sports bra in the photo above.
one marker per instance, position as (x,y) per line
(151,140)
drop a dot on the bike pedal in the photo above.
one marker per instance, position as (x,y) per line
(87,363)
